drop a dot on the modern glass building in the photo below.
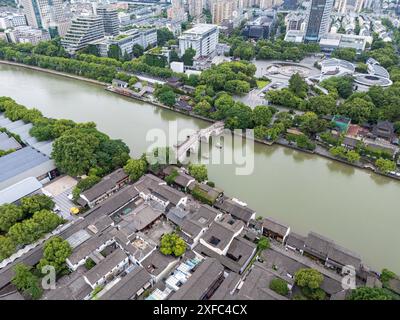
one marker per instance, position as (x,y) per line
(318,19)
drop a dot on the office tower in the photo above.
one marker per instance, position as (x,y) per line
(110,20)
(83,30)
(318,19)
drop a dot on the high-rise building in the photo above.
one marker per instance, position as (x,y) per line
(110,20)
(46,14)
(202,37)
(177,11)
(222,10)
(83,30)
(318,19)
(195,8)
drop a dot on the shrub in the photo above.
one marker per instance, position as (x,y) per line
(279,286)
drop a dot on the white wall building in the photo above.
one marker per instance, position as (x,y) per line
(202,37)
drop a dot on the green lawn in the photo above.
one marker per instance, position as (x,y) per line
(261,83)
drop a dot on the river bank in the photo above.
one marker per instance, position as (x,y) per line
(63,74)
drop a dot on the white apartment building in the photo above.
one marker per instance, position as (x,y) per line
(202,37)
(83,30)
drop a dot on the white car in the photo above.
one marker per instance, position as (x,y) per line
(70,196)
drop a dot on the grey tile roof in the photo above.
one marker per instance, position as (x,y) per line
(128,286)
(151,184)
(200,282)
(318,245)
(106,265)
(141,217)
(224,291)
(157,262)
(238,255)
(88,246)
(243,213)
(275,226)
(115,202)
(256,285)
(219,235)
(205,215)
(295,240)
(343,257)
(105,185)
(77,289)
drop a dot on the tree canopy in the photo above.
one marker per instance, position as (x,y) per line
(172,244)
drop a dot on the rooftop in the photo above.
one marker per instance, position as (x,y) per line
(105,266)
(23,163)
(106,184)
(19,190)
(128,286)
(201,281)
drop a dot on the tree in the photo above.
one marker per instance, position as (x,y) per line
(244,51)
(135,168)
(163,35)
(353,156)
(365,293)
(114,52)
(309,278)
(198,171)
(358,109)
(239,116)
(26,281)
(56,251)
(303,142)
(348,54)
(165,95)
(35,203)
(137,50)
(173,56)
(260,132)
(385,165)
(279,286)
(188,56)
(323,104)
(74,152)
(9,215)
(172,244)
(238,87)
(262,115)
(203,108)
(298,86)
(263,244)
(7,247)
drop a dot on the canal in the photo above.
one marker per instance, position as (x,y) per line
(358,209)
